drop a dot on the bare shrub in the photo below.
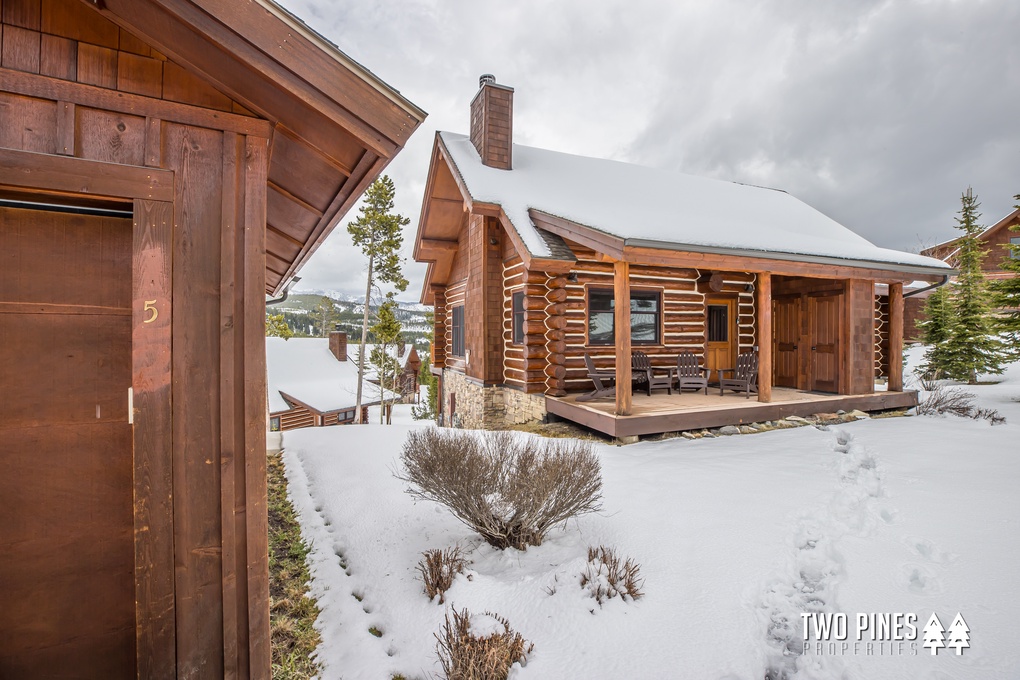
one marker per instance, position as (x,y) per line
(942,400)
(510,489)
(438,568)
(607,575)
(466,656)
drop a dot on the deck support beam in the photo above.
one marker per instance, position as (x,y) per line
(764,289)
(895,383)
(621,304)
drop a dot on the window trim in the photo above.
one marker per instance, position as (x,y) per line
(454,327)
(1014,247)
(515,337)
(644,290)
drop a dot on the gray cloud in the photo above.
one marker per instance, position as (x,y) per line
(878,113)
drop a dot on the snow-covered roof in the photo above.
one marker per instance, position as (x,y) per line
(370,372)
(306,370)
(649,206)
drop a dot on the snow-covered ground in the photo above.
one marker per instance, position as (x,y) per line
(736,537)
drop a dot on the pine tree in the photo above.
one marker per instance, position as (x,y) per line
(959,634)
(1007,296)
(937,327)
(971,348)
(276,327)
(387,334)
(325,314)
(934,637)
(428,409)
(378,233)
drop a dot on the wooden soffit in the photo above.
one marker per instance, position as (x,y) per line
(335,125)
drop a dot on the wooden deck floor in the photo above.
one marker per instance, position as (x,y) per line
(662,412)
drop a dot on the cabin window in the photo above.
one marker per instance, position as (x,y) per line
(457,328)
(1014,251)
(718,323)
(274,424)
(645,317)
(518,317)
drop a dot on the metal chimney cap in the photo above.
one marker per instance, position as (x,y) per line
(486,78)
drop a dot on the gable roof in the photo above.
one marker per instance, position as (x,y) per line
(657,208)
(335,125)
(305,369)
(947,250)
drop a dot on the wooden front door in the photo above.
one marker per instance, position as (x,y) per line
(786,325)
(67,595)
(721,333)
(823,325)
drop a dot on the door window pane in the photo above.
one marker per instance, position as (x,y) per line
(718,323)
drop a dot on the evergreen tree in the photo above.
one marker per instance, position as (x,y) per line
(378,233)
(971,348)
(1007,296)
(934,635)
(937,327)
(387,334)
(959,634)
(429,409)
(325,315)
(276,327)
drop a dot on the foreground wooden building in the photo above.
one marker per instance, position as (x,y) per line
(164,165)
(537,258)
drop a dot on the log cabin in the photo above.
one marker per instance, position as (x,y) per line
(537,258)
(164,166)
(996,240)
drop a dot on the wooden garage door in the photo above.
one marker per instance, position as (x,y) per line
(66,523)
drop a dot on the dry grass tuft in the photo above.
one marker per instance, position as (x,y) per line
(510,489)
(438,568)
(465,656)
(607,575)
(942,400)
(292,613)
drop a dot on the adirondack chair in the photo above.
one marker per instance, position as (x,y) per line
(643,372)
(690,373)
(745,376)
(597,376)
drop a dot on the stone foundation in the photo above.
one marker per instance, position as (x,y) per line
(479,407)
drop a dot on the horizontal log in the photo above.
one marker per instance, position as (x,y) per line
(525,364)
(532,327)
(557,309)
(557,282)
(556,322)
(555,335)
(556,295)
(535,351)
(556,346)
(555,371)
(534,302)
(534,339)
(555,359)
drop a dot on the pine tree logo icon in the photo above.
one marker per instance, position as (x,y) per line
(959,634)
(934,634)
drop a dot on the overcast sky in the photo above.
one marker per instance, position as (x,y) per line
(878,114)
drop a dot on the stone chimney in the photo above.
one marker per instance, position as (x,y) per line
(338,343)
(492,123)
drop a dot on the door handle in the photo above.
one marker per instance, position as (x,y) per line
(813,348)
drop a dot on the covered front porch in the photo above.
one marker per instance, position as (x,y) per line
(677,412)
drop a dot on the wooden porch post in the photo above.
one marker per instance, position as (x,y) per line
(621,298)
(895,337)
(764,337)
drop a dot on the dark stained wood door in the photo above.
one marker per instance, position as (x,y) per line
(66,517)
(823,325)
(786,324)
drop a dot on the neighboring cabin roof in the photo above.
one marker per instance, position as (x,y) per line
(949,247)
(335,124)
(657,208)
(305,369)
